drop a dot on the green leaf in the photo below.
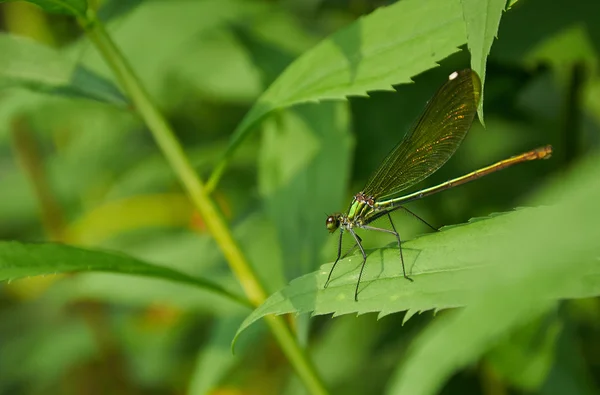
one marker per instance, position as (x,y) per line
(136,212)
(518,39)
(28,64)
(552,254)
(385,48)
(472,334)
(182,56)
(18,260)
(31,352)
(525,357)
(462,264)
(215,360)
(570,373)
(111,9)
(482,19)
(563,49)
(181,251)
(69,7)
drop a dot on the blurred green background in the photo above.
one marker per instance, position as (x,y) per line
(89,174)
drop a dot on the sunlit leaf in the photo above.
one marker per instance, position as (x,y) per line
(382,49)
(27,64)
(457,266)
(482,19)
(535,265)
(18,260)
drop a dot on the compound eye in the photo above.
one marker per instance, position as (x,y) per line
(332,223)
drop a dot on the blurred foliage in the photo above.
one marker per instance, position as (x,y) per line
(79,168)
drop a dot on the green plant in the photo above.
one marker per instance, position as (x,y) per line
(77,117)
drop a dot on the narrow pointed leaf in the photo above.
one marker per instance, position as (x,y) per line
(482,19)
(19,260)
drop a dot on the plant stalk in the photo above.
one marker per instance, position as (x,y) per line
(197,192)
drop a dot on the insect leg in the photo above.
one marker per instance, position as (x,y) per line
(395,233)
(339,253)
(417,217)
(364,254)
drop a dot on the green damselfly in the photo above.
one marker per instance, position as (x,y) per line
(423,150)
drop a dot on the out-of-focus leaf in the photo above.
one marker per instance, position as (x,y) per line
(18,260)
(535,262)
(569,47)
(189,36)
(149,340)
(152,173)
(69,7)
(456,266)
(354,337)
(183,250)
(129,214)
(482,19)
(215,359)
(284,31)
(110,9)
(592,98)
(92,145)
(27,64)
(215,67)
(268,58)
(140,292)
(563,49)
(256,235)
(524,358)
(385,48)
(35,353)
(359,339)
(305,157)
(570,373)
(475,335)
(517,38)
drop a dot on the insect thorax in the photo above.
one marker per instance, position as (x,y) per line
(360,207)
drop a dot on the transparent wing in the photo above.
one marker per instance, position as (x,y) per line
(433,139)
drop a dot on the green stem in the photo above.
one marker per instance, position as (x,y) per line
(215,223)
